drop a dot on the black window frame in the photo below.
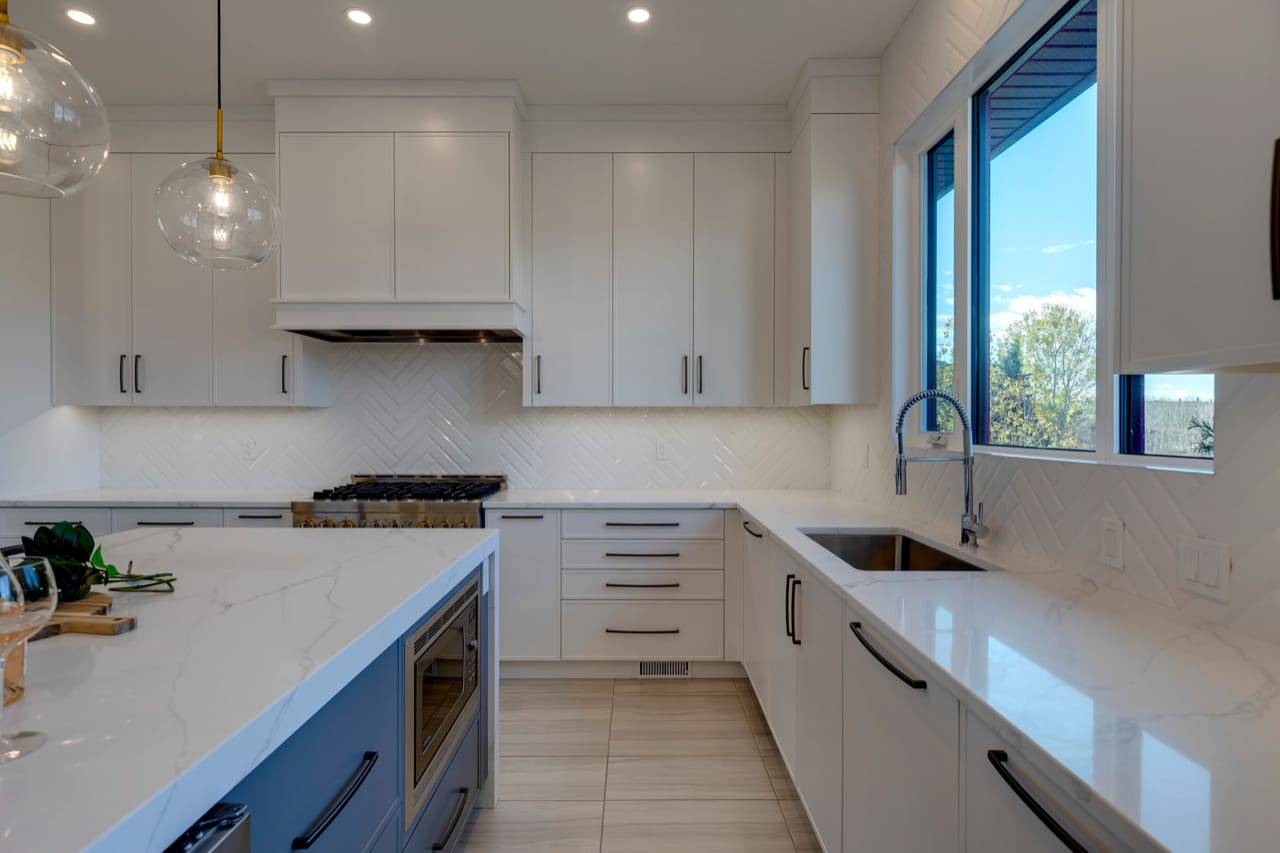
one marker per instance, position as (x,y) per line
(930,279)
(1131,426)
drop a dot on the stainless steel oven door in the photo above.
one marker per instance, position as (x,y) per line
(444,679)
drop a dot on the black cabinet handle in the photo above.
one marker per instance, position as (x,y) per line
(522,517)
(642,631)
(699,374)
(787,613)
(1275,224)
(277,517)
(48,523)
(304,842)
(684,374)
(642,524)
(464,794)
(913,683)
(137,383)
(1000,761)
(670,555)
(795,632)
(537,374)
(804,369)
(166,524)
(284,374)
(612,585)
(747,527)
(124,389)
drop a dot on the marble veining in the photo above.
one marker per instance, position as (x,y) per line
(148,729)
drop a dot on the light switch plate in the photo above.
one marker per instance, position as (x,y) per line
(1113,543)
(1204,568)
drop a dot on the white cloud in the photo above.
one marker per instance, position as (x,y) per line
(1065,247)
(1082,299)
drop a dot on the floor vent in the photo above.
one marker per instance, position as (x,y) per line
(664,669)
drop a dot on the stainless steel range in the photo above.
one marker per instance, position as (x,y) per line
(394,501)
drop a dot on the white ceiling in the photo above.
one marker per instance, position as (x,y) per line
(560,51)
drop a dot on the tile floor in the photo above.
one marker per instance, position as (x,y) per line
(657,766)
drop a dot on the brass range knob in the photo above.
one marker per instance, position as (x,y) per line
(307,522)
(329,523)
(348,523)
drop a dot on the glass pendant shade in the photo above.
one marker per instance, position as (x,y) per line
(54,132)
(217,215)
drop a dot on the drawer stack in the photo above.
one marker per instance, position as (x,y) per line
(642,585)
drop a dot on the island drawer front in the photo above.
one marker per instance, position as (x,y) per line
(140,518)
(450,805)
(25,521)
(642,584)
(257,517)
(665,554)
(643,524)
(690,630)
(298,783)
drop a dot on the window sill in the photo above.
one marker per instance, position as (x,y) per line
(1118,460)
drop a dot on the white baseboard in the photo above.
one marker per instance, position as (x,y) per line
(608,669)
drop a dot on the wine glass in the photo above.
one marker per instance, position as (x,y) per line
(28,596)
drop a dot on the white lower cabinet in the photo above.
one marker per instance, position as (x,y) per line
(529,603)
(17,522)
(643,630)
(257,517)
(901,751)
(755,601)
(134,518)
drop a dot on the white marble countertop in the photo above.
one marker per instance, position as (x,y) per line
(234,498)
(148,729)
(615,498)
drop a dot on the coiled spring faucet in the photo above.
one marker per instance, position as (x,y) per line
(971,527)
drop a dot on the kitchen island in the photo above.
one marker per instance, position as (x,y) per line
(149,729)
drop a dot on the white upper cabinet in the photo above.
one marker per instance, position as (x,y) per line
(569,358)
(172,303)
(652,279)
(832,335)
(337,194)
(1200,153)
(733,272)
(92,302)
(452,216)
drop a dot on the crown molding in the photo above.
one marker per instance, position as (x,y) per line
(817,68)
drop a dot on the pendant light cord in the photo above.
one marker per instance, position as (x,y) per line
(219,154)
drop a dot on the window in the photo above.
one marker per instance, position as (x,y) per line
(939,242)
(1035,231)
(1167,415)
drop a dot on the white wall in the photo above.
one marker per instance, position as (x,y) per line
(1048,515)
(41,448)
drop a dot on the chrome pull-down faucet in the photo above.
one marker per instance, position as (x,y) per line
(971,527)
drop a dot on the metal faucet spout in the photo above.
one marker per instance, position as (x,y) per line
(971,526)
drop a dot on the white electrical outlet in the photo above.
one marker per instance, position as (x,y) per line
(660,451)
(1113,543)
(249,449)
(1204,568)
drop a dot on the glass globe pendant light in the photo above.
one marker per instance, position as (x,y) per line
(54,132)
(215,214)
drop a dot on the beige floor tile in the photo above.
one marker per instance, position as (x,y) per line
(570,736)
(695,827)
(535,828)
(680,725)
(713,708)
(704,777)
(551,778)
(783,787)
(802,834)
(531,703)
(676,686)
(755,716)
(558,686)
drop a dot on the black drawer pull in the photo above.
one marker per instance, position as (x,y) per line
(1000,761)
(123,388)
(672,555)
(642,630)
(522,517)
(260,517)
(48,523)
(458,811)
(304,842)
(166,524)
(795,638)
(612,585)
(642,524)
(284,374)
(137,366)
(747,527)
(1275,224)
(787,612)
(913,683)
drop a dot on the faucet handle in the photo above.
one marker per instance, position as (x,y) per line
(981,513)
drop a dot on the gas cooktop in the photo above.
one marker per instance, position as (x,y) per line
(393,500)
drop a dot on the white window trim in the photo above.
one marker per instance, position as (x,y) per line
(951,111)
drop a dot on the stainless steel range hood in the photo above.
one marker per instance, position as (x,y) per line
(404,322)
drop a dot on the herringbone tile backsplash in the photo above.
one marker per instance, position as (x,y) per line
(456,408)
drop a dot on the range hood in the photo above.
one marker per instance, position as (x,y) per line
(412,336)
(391,322)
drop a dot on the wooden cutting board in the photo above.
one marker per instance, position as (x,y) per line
(86,616)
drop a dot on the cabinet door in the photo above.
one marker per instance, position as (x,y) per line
(572,276)
(733,279)
(652,279)
(92,313)
(1202,124)
(337,195)
(911,737)
(783,379)
(819,615)
(781,651)
(250,359)
(799,305)
(453,215)
(529,559)
(172,303)
(757,599)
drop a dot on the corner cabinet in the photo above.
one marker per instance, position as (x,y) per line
(1201,242)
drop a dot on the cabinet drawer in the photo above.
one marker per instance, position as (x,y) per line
(645,583)
(260,517)
(642,630)
(643,554)
(444,817)
(24,521)
(644,524)
(298,783)
(130,518)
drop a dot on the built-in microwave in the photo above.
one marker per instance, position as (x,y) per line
(442,691)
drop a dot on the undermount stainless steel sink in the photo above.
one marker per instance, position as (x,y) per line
(873,551)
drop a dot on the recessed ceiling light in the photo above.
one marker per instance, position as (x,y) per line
(81,17)
(639,14)
(359,16)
